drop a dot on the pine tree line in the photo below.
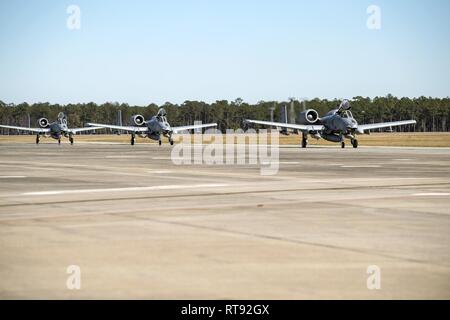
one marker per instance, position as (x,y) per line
(431,114)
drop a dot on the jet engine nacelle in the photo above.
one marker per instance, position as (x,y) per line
(43,122)
(138,120)
(309,116)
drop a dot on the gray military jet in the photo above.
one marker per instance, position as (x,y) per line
(153,128)
(335,126)
(54,130)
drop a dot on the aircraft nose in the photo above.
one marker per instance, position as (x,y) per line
(352,125)
(165,128)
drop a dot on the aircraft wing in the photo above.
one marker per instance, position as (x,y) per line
(125,128)
(363,127)
(37,130)
(194,126)
(301,127)
(76,130)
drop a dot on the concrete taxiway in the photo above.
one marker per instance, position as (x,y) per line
(139,226)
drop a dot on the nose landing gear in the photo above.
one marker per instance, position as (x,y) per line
(38,138)
(71,139)
(133,139)
(354,143)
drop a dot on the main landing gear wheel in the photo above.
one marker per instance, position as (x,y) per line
(304,143)
(342,144)
(171,142)
(133,140)
(37,139)
(355,143)
(159,142)
(71,140)
(59,141)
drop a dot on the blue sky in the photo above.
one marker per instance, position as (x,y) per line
(156,51)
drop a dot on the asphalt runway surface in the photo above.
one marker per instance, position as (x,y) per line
(139,226)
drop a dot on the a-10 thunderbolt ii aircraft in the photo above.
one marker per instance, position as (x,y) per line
(335,126)
(153,128)
(55,129)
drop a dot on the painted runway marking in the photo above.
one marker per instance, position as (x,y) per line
(42,164)
(12,177)
(362,166)
(159,171)
(432,194)
(167,187)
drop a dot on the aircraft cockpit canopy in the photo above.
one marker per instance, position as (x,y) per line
(347,114)
(161,115)
(345,105)
(62,118)
(344,109)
